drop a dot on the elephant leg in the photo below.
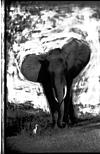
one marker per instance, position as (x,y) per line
(52,104)
(66,110)
(53,113)
(60,122)
(54,118)
(67,104)
(72,115)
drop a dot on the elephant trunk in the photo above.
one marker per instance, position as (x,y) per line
(64,95)
(59,96)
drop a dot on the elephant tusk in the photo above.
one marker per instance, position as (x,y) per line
(55,95)
(56,99)
(65,92)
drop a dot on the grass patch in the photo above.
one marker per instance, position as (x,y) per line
(22,119)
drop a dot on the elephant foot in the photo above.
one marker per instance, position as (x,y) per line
(73,121)
(61,124)
(53,125)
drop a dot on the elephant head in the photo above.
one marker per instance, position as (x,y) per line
(56,71)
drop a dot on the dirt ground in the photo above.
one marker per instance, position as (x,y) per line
(84,137)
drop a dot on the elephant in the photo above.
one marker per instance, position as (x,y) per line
(56,70)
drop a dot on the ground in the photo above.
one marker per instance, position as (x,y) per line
(76,139)
(82,137)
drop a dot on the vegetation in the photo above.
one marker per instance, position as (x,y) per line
(24,117)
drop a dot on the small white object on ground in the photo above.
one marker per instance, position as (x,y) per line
(35,129)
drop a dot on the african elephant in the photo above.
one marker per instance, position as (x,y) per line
(56,71)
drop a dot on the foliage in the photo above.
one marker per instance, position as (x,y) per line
(24,118)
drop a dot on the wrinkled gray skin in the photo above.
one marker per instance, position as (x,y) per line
(56,71)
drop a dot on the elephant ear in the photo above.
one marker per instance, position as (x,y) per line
(69,51)
(77,55)
(31,67)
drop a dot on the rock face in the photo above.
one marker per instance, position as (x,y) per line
(46,28)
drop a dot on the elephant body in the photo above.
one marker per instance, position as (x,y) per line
(56,71)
